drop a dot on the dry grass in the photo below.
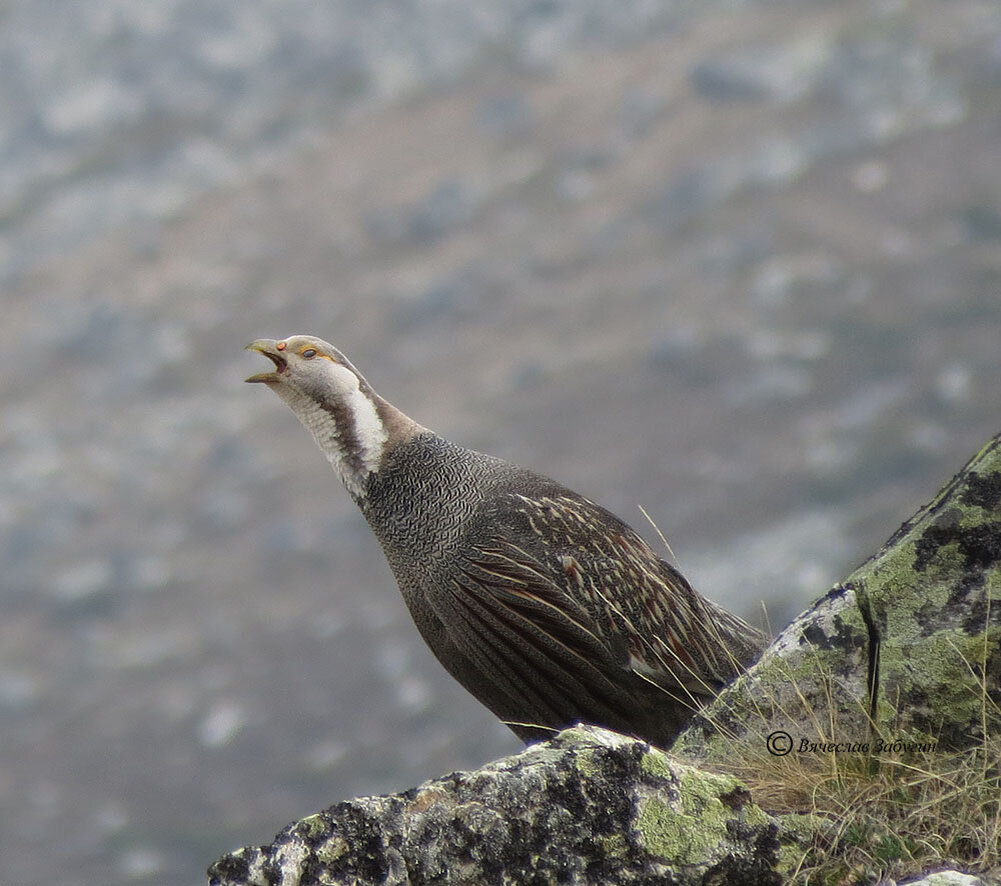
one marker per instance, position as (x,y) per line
(875,814)
(907,813)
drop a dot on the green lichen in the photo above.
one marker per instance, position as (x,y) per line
(700,791)
(992,585)
(662,832)
(586,754)
(942,670)
(901,593)
(945,660)
(801,826)
(615,846)
(585,763)
(689,834)
(755,816)
(313,826)
(798,834)
(655,763)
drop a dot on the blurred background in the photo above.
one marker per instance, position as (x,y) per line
(738,264)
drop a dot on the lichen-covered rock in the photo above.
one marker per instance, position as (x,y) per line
(906,649)
(932,596)
(587,807)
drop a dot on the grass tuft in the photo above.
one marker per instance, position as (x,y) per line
(894,810)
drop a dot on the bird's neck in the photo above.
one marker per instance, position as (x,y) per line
(354,431)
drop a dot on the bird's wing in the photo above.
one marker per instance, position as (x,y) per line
(546,656)
(578,586)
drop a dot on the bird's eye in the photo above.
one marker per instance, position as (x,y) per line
(309,353)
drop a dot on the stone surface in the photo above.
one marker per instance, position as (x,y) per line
(907,648)
(590,806)
(953,878)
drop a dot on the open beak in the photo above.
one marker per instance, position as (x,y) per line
(268,347)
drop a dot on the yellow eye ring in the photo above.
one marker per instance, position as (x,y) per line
(308,353)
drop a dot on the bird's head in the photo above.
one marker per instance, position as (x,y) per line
(306,364)
(350,422)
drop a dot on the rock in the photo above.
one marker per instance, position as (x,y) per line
(903,649)
(590,806)
(952,878)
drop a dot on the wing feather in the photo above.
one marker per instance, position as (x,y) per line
(542,656)
(602,594)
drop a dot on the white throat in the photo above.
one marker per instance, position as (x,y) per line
(349,432)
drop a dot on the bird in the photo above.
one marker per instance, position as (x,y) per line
(546,607)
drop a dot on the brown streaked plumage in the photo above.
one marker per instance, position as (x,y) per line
(545,606)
